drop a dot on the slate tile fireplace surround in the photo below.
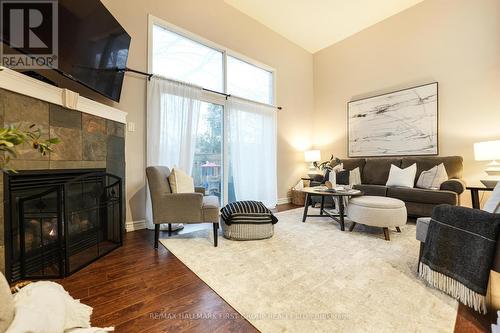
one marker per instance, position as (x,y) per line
(89,144)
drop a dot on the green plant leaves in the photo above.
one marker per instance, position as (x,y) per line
(11,136)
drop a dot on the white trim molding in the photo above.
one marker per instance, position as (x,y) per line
(25,85)
(135,225)
(282,201)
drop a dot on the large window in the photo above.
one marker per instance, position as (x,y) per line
(183,59)
(180,57)
(249,81)
(234,140)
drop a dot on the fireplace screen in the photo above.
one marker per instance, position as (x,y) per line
(60,222)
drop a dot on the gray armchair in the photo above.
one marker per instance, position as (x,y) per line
(466,215)
(186,208)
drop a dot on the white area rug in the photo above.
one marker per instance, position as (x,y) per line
(311,277)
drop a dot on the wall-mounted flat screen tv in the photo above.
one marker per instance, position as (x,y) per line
(92,46)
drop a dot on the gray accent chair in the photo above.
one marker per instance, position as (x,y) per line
(468,215)
(185,208)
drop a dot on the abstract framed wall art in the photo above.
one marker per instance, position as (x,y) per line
(400,123)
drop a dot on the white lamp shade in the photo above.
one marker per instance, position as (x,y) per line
(487,150)
(312,155)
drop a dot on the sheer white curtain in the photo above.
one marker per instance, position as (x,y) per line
(172,119)
(252,150)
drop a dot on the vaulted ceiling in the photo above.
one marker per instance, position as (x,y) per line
(316,24)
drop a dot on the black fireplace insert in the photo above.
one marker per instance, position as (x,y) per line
(58,221)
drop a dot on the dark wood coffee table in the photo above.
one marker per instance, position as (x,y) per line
(314,191)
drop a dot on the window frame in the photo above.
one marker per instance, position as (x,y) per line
(208,96)
(153,20)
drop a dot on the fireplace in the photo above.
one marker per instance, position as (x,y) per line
(58,221)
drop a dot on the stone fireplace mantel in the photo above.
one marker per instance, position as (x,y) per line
(25,85)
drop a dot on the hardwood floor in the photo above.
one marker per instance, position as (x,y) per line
(139,289)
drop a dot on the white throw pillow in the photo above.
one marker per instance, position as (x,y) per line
(180,182)
(354,177)
(402,177)
(332,176)
(433,178)
(493,203)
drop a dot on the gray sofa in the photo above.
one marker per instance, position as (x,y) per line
(419,202)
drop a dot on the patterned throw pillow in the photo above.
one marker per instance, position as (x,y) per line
(433,178)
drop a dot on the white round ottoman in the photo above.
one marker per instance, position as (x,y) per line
(377,212)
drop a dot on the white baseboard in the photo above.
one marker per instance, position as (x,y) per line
(135,225)
(282,201)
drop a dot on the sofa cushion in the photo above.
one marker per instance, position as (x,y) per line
(453,164)
(421,195)
(376,170)
(419,209)
(373,190)
(353,163)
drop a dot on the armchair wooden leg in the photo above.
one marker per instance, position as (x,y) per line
(216,233)
(169,229)
(351,228)
(397,229)
(157,235)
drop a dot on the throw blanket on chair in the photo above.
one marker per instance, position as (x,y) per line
(459,252)
(247,212)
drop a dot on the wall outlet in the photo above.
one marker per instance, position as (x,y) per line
(131,126)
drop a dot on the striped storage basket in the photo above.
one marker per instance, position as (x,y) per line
(247,220)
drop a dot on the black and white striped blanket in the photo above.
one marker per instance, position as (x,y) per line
(247,212)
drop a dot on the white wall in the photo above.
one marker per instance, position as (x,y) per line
(454,42)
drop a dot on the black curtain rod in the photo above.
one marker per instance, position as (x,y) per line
(150,75)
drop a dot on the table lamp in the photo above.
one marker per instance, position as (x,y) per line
(489,151)
(312,156)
